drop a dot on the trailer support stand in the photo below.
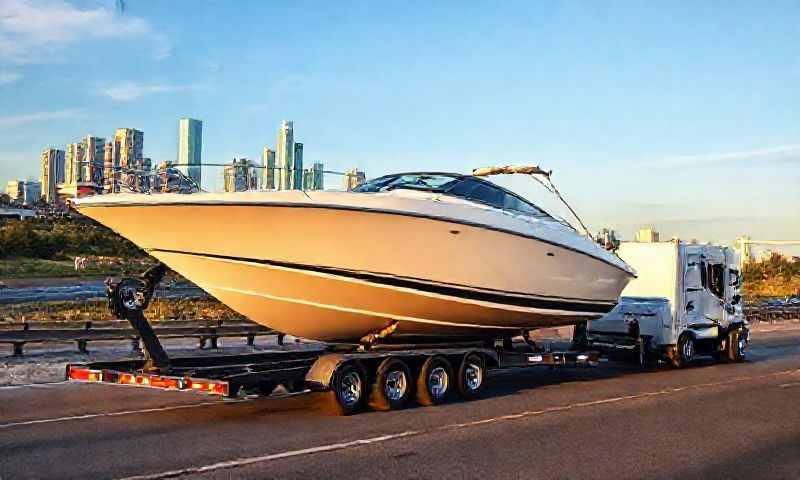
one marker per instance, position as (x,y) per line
(128,299)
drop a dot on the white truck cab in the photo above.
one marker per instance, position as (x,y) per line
(684,301)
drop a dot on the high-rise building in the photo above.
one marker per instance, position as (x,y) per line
(73,163)
(313,178)
(128,148)
(94,156)
(24,192)
(31,193)
(284,155)
(297,167)
(52,173)
(354,178)
(15,189)
(240,175)
(190,147)
(268,161)
(647,235)
(108,168)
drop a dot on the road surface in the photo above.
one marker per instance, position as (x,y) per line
(708,421)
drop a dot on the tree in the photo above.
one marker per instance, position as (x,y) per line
(5,200)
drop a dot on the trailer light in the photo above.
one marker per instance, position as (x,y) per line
(166,382)
(85,374)
(582,357)
(535,358)
(127,379)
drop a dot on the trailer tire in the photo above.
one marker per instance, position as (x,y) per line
(435,381)
(684,353)
(392,386)
(737,346)
(471,376)
(349,385)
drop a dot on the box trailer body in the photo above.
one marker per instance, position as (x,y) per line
(682,291)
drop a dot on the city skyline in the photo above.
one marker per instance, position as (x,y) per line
(633,108)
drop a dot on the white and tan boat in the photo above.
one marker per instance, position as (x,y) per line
(419,257)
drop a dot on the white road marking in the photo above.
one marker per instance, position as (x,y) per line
(274,456)
(411,433)
(789,385)
(112,414)
(31,385)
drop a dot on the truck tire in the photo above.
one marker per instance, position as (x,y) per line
(392,386)
(471,376)
(435,381)
(684,353)
(737,346)
(349,385)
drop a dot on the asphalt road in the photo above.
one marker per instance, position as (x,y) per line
(708,421)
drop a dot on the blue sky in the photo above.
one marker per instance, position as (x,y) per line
(683,116)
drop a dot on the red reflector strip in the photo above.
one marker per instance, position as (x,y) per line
(85,374)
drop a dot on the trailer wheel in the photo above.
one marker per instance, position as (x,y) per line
(434,381)
(349,387)
(737,346)
(471,376)
(685,351)
(392,387)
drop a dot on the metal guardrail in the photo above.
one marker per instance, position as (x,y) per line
(20,334)
(771,313)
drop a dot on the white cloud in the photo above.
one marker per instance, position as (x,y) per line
(11,121)
(9,77)
(32,31)
(780,154)
(128,91)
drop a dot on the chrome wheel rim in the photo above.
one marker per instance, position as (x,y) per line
(474,376)
(438,382)
(688,349)
(350,388)
(395,385)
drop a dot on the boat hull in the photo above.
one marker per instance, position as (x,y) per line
(337,275)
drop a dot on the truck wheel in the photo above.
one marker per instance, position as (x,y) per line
(434,381)
(685,352)
(471,376)
(737,346)
(349,387)
(392,387)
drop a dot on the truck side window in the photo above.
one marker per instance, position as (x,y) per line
(716,277)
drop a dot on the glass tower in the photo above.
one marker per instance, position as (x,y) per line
(190,146)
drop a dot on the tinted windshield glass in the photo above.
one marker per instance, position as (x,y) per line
(466,187)
(428,182)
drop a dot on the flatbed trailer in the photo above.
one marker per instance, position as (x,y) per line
(382,375)
(383,379)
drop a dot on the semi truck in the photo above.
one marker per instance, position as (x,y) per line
(685,302)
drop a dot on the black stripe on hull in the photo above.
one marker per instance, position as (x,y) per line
(423,286)
(358,209)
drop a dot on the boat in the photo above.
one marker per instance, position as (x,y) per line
(422,257)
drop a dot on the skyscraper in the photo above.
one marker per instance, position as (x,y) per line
(108,168)
(313,178)
(240,176)
(297,167)
(128,147)
(190,146)
(94,155)
(52,172)
(73,163)
(354,178)
(268,160)
(284,155)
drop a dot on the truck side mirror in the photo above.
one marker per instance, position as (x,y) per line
(690,306)
(736,299)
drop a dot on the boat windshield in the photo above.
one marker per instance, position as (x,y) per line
(462,186)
